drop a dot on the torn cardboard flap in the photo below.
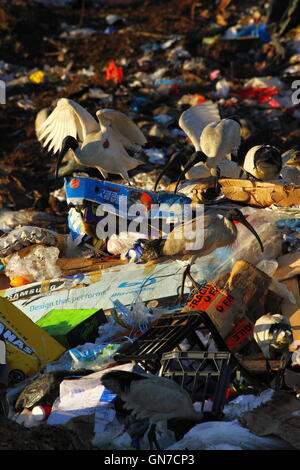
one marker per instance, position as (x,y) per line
(288,266)
(255,193)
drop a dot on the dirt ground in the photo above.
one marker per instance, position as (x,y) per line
(30,38)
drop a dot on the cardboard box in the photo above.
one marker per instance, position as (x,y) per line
(94,290)
(234,302)
(261,194)
(28,347)
(71,327)
(254,193)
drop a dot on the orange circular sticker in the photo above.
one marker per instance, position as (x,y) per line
(75,183)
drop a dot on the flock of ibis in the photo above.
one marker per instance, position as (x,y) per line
(106,144)
(113,145)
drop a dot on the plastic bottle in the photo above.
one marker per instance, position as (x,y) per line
(41,412)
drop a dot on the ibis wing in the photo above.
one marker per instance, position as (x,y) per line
(193,120)
(151,398)
(129,133)
(191,236)
(67,118)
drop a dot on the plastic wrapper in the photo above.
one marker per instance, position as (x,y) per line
(22,237)
(217,435)
(269,267)
(38,265)
(222,88)
(120,244)
(135,319)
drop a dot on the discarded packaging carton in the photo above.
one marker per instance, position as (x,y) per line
(234,302)
(28,347)
(94,290)
(73,327)
(288,266)
(255,193)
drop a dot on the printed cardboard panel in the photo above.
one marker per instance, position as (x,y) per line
(224,311)
(96,289)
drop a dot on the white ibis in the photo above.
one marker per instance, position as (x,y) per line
(104,144)
(197,237)
(212,137)
(228,169)
(41,117)
(152,397)
(263,162)
(273,334)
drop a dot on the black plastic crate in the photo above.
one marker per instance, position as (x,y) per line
(202,374)
(163,336)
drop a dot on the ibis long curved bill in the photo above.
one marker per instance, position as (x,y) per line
(166,168)
(69,142)
(238,216)
(197,157)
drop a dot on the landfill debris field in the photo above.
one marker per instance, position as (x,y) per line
(150,226)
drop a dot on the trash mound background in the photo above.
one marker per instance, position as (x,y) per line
(16,437)
(29,38)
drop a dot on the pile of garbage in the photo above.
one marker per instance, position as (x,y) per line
(149,284)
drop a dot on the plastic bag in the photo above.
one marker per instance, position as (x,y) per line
(138,317)
(38,265)
(245,247)
(120,244)
(22,237)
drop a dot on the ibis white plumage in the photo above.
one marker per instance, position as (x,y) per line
(273,334)
(152,397)
(227,168)
(214,138)
(197,237)
(71,165)
(263,162)
(101,144)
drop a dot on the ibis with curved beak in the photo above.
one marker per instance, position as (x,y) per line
(152,397)
(104,144)
(263,162)
(213,138)
(196,238)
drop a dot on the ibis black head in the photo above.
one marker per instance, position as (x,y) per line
(268,154)
(197,157)
(69,142)
(235,118)
(119,381)
(237,215)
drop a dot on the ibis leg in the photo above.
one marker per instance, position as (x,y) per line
(186,273)
(152,437)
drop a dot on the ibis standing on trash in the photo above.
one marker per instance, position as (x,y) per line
(213,138)
(196,238)
(104,143)
(152,397)
(263,162)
